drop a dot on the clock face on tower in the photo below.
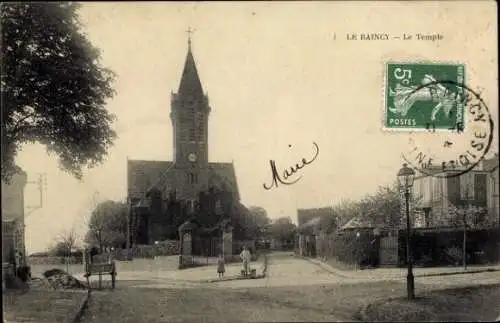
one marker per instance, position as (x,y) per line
(192,157)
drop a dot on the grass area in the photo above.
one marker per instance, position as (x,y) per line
(41,306)
(478,303)
(317,303)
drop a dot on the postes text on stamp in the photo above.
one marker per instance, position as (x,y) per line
(415,99)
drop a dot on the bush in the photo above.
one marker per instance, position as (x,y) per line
(59,279)
(23,273)
(94,251)
(15,283)
(455,254)
(347,248)
(444,246)
(77,254)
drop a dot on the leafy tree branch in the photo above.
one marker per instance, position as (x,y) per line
(54,90)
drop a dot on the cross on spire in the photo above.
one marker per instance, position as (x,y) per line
(189,32)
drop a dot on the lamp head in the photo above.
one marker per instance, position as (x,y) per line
(406,176)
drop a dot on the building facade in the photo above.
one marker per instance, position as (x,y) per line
(440,199)
(492,167)
(13,226)
(190,174)
(309,229)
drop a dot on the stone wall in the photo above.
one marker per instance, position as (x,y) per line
(54,260)
(162,248)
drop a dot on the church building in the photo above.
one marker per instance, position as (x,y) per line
(189,173)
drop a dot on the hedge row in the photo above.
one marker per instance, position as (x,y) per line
(348,247)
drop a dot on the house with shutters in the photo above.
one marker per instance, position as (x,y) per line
(441,197)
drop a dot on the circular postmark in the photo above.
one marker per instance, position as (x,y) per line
(457,150)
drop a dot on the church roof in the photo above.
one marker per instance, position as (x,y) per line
(223,174)
(143,175)
(190,85)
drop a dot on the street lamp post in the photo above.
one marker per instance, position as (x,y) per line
(406,177)
(468,198)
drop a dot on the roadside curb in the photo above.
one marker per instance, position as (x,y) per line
(338,272)
(228,279)
(81,309)
(325,267)
(477,271)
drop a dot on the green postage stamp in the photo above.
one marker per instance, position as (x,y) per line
(424,96)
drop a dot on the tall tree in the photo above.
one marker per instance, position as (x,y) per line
(66,241)
(283,229)
(174,215)
(474,216)
(108,225)
(257,222)
(54,89)
(384,207)
(345,210)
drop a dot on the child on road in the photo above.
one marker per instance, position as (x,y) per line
(221,266)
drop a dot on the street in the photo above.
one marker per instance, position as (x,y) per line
(295,290)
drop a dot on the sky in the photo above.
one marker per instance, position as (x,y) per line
(280,77)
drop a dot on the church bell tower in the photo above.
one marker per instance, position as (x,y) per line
(189,115)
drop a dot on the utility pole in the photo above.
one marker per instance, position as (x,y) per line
(19,232)
(42,185)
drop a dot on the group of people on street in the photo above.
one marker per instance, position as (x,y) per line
(246,258)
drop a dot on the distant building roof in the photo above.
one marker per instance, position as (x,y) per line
(147,174)
(306,215)
(358,223)
(312,222)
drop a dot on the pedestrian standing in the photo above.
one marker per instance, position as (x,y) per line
(111,256)
(221,266)
(246,257)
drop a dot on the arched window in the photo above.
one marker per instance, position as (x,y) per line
(192,178)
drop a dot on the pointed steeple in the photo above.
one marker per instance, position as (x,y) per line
(190,85)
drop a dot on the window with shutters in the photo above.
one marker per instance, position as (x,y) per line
(467,189)
(437,190)
(453,188)
(480,189)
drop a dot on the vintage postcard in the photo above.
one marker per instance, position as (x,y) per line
(250,161)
